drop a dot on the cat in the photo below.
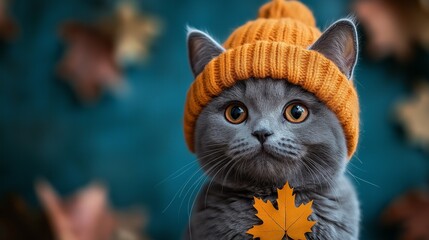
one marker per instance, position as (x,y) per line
(261,133)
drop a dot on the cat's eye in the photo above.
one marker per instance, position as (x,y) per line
(236,113)
(296,112)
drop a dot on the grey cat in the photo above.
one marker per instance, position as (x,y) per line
(259,134)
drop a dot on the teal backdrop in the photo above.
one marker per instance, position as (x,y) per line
(134,143)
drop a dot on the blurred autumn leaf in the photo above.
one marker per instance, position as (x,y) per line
(394,27)
(411,213)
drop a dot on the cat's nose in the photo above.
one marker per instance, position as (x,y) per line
(262,135)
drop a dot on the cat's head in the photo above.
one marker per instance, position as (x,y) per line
(264,132)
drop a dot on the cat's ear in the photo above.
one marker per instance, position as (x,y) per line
(201,49)
(339,44)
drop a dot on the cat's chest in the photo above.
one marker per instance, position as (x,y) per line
(229,215)
(238,211)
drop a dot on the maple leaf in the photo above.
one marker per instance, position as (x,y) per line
(133,32)
(413,114)
(87,215)
(8,27)
(99,51)
(394,26)
(287,219)
(410,213)
(89,64)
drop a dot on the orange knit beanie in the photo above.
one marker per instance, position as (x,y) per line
(275,45)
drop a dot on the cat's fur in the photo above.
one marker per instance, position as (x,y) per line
(311,155)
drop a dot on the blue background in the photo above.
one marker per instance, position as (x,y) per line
(135,142)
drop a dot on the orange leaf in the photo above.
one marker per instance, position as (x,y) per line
(287,219)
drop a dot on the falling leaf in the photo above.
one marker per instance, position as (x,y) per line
(20,220)
(394,27)
(8,27)
(133,32)
(98,51)
(89,64)
(87,215)
(411,212)
(413,113)
(286,219)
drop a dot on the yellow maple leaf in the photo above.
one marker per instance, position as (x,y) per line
(287,219)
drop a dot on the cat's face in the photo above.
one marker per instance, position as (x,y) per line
(264,132)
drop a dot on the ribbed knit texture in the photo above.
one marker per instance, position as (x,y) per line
(276,47)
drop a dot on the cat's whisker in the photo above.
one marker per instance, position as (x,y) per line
(213,178)
(210,153)
(318,168)
(186,167)
(201,185)
(354,178)
(311,172)
(363,180)
(176,194)
(236,161)
(214,145)
(197,186)
(176,173)
(356,157)
(190,211)
(239,172)
(193,203)
(313,169)
(203,175)
(196,183)
(324,175)
(356,167)
(202,167)
(180,190)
